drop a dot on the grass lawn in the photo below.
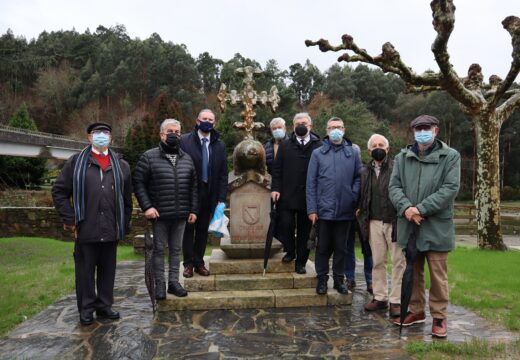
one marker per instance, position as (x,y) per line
(35,272)
(486,282)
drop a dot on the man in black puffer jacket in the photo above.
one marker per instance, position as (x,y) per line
(165,184)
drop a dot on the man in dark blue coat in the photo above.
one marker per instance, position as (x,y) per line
(209,156)
(333,187)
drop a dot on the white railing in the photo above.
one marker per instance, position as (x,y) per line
(11,129)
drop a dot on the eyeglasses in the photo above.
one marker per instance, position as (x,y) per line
(176,132)
(106,132)
(335,127)
(207,119)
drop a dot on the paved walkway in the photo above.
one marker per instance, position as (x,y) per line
(343,332)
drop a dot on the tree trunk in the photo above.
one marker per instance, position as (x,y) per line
(487,199)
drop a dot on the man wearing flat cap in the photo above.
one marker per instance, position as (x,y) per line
(423,186)
(99,184)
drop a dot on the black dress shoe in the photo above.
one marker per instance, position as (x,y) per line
(341,288)
(288,258)
(108,314)
(176,289)
(301,270)
(321,287)
(86,318)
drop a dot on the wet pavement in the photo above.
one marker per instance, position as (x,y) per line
(334,332)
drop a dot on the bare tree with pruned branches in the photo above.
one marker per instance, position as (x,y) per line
(488,105)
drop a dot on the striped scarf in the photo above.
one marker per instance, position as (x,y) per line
(78,189)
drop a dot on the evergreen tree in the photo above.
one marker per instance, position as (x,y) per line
(20,171)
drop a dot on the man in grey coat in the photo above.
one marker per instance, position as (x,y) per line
(423,186)
(333,186)
(165,184)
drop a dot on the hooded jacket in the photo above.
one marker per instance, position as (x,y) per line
(431,183)
(333,181)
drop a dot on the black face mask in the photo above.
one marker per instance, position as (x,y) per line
(172,142)
(378,154)
(301,130)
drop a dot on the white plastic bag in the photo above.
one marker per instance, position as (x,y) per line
(218,226)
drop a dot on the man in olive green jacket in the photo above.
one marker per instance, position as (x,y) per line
(424,183)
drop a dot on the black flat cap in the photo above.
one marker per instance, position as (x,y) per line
(99,126)
(423,120)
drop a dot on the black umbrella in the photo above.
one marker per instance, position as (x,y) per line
(270,234)
(407,283)
(77,271)
(149,277)
(313,236)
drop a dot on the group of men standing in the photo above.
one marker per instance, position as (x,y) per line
(177,184)
(315,182)
(324,183)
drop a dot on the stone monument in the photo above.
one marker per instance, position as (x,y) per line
(249,184)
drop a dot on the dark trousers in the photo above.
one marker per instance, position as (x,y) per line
(332,239)
(296,220)
(95,266)
(196,235)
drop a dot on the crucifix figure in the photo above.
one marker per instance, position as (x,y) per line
(249,98)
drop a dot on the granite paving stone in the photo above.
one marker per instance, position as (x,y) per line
(324,332)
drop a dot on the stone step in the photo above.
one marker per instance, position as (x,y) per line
(246,250)
(219,263)
(257,299)
(270,281)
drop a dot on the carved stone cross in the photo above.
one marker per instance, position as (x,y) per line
(249,98)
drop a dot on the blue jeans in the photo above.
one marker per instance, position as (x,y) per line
(350,264)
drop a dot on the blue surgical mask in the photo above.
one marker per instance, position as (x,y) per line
(424,137)
(278,134)
(100,140)
(336,135)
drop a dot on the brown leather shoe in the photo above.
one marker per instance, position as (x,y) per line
(201,270)
(411,319)
(439,328)
(395,310)
(376,305)
(188,271)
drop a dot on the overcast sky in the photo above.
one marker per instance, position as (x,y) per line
(277,29)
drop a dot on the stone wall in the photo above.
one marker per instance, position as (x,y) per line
(45,222)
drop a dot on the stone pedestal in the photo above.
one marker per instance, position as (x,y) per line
(250,206)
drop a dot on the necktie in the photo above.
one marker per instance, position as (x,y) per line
(205,160)
(303,142)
